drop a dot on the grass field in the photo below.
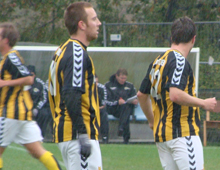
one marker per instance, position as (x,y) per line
(115,157)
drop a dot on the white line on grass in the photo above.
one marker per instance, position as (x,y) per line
(24,150)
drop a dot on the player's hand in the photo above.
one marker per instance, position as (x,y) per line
(35,112)
(151,124)
(121,101)
(85,146)
(210,104)
(135,101)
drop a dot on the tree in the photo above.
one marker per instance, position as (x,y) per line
(42,20)
(169,10)
(36,18)
(109,12)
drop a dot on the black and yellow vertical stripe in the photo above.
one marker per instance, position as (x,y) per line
(15,101)
(171,120)
(81,76)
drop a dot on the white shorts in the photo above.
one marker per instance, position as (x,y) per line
(73,160)
(18,131)
(182,153)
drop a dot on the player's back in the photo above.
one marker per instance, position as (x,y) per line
(16,102)
(171,69)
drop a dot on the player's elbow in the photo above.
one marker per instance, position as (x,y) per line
(142,96)
(175,95)
(175,98)
(139,95)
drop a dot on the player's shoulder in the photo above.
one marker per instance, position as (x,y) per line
(175,58)
(129,83)
(101,85)
(72,47)
(13,54)
(15,58)
(176,55)
(107,83)
(77,46)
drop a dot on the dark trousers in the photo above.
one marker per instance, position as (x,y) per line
(122,112)
(104,128)
(44,120)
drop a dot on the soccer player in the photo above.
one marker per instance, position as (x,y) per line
(16,123)
(73,92)
(167,97)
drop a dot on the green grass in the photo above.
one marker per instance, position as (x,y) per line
(115,156)
(130,157)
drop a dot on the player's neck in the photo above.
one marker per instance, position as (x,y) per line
(184,49)
(82,38)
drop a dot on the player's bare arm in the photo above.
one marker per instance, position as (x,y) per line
(180,97)
(145,103)
(29,80)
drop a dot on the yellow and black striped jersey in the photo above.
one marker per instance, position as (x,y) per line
(15,101)
(171,120)
(72,68)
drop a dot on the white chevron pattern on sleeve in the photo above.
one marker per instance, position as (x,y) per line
(180,63)
(17,63)
(77,65)
(104,92)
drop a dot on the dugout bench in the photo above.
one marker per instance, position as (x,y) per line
(139,128)
(138,115)
(207,123)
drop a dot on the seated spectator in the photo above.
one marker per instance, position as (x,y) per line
(104,128)
(121,99)
(39,93)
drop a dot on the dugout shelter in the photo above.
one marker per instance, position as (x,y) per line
(107,61)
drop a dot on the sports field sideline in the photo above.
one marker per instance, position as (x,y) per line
(115,156)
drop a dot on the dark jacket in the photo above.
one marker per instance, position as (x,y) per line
(115,91)
(102,94)
(38,93)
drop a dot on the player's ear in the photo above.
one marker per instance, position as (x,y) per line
(6,40)
(194,39)
(81,25)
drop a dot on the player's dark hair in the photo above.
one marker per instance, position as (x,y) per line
(74,13)
(122,71)
(183,30)
(10,32)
